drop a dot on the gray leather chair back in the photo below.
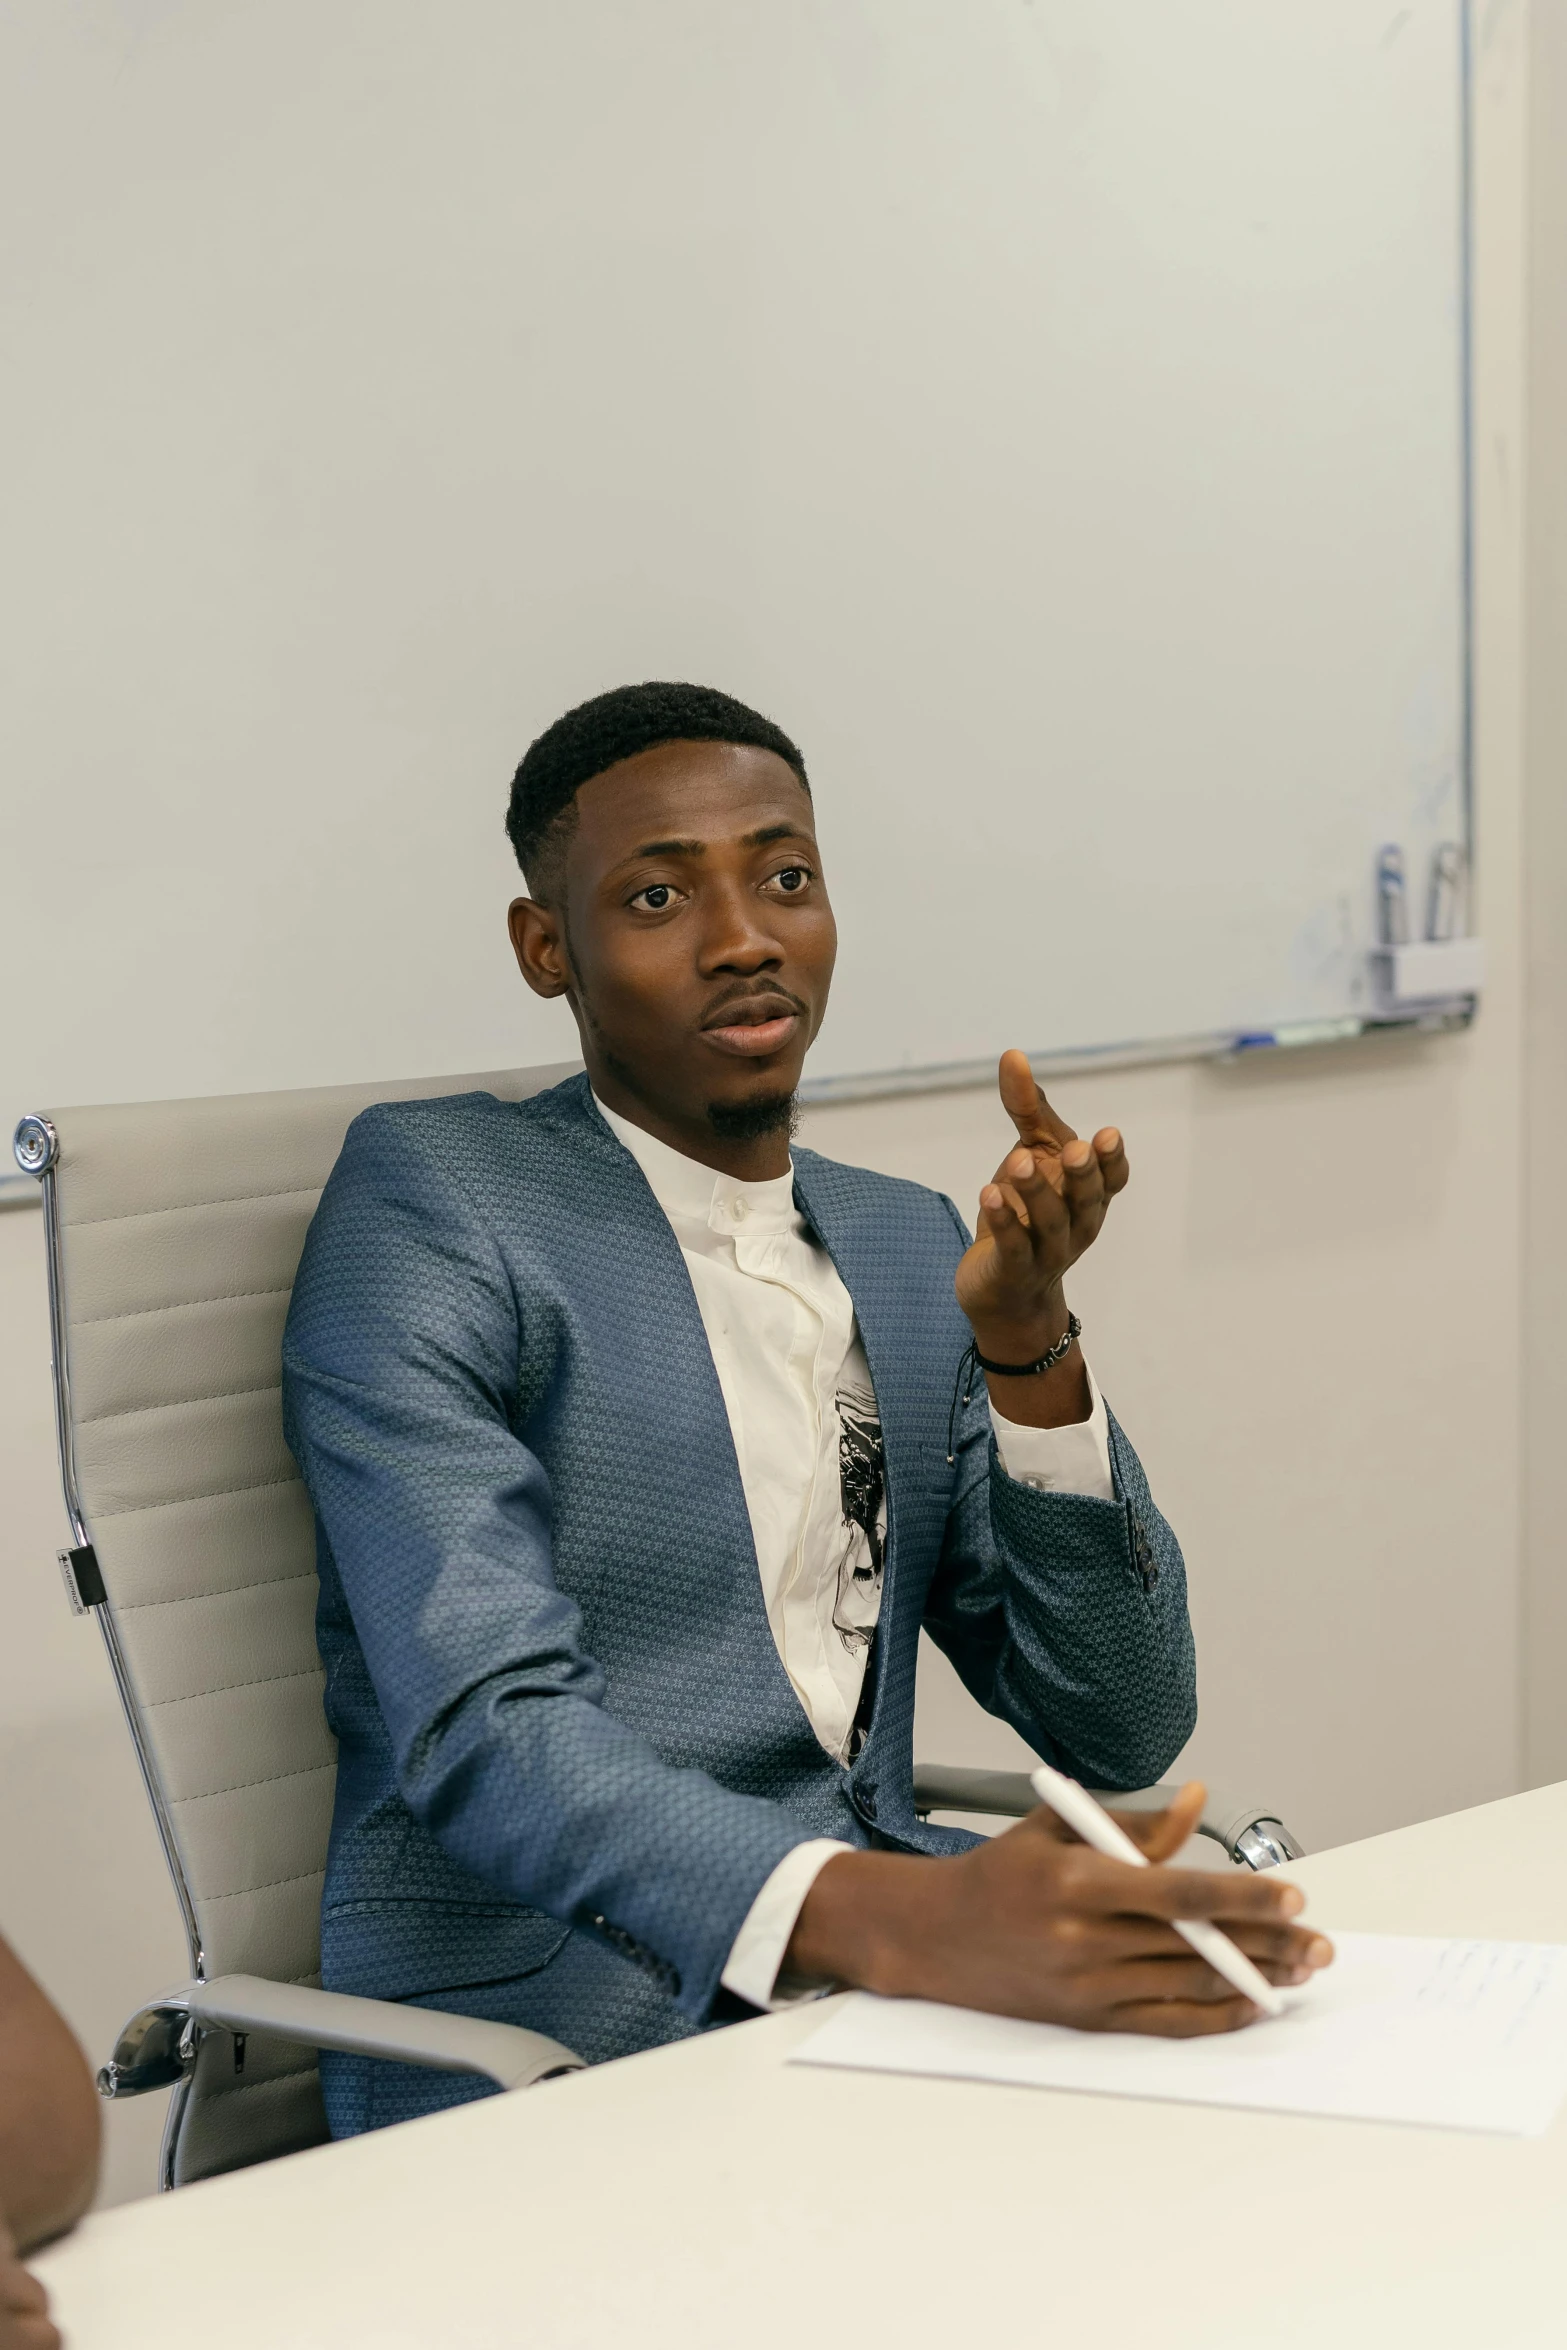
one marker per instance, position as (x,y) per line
(176,1229)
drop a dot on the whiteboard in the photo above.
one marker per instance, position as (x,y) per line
(1052,415)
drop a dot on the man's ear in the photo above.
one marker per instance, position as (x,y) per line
(539,944)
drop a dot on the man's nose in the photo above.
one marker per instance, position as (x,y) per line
(737,936)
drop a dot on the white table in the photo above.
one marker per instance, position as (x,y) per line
(711,2195)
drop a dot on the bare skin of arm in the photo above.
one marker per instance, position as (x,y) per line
(24,2305)
(48,2113)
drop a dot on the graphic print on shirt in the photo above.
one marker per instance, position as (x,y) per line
(863,1481)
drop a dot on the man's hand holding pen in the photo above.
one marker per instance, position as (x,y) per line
(1032,1923)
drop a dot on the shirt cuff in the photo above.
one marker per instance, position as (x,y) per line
(1075,1459)
(755,1962)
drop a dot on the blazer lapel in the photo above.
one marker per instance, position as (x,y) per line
(624,1206)
(625,1202)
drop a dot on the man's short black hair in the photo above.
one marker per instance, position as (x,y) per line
(600,733)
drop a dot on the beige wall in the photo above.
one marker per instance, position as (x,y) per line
(1309,1310)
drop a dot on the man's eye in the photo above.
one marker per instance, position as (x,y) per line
(792,879)
(655,897)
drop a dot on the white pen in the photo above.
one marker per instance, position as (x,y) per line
(1077,1807)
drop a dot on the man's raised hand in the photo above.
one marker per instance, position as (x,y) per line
(1042,1208)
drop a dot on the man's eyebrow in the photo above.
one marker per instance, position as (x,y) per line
(698,848)
(668,848)
(770,832)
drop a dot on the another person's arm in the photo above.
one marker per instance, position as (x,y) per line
(48,2113)
(48,2147)
(24,2305)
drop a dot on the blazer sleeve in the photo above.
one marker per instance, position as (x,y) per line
(1066,1615)
(400,1372)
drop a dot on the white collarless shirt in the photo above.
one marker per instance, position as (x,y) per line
(807,1438)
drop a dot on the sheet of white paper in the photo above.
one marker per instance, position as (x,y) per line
(1457,2035)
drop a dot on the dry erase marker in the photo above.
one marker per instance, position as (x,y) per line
(1447,879)
(1392,910)
(1076,1806)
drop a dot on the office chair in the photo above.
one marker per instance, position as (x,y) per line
(173,1232)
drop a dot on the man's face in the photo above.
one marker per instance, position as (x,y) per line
(694,937)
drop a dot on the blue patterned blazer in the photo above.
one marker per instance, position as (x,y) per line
(569,1756)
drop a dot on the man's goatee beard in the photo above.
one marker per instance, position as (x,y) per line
(771,1113)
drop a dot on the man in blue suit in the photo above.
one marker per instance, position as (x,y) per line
(642,1448)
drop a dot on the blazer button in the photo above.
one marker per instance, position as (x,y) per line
(1142,1552)
(866,1799)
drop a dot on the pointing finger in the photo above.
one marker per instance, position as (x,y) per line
(1026,1106)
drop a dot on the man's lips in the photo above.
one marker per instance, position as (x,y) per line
(754,1030)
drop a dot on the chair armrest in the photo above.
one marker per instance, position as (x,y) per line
(1251,1833)
(951,1787)
(157,2045)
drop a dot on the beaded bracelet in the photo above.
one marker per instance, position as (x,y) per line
(1047,1361)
